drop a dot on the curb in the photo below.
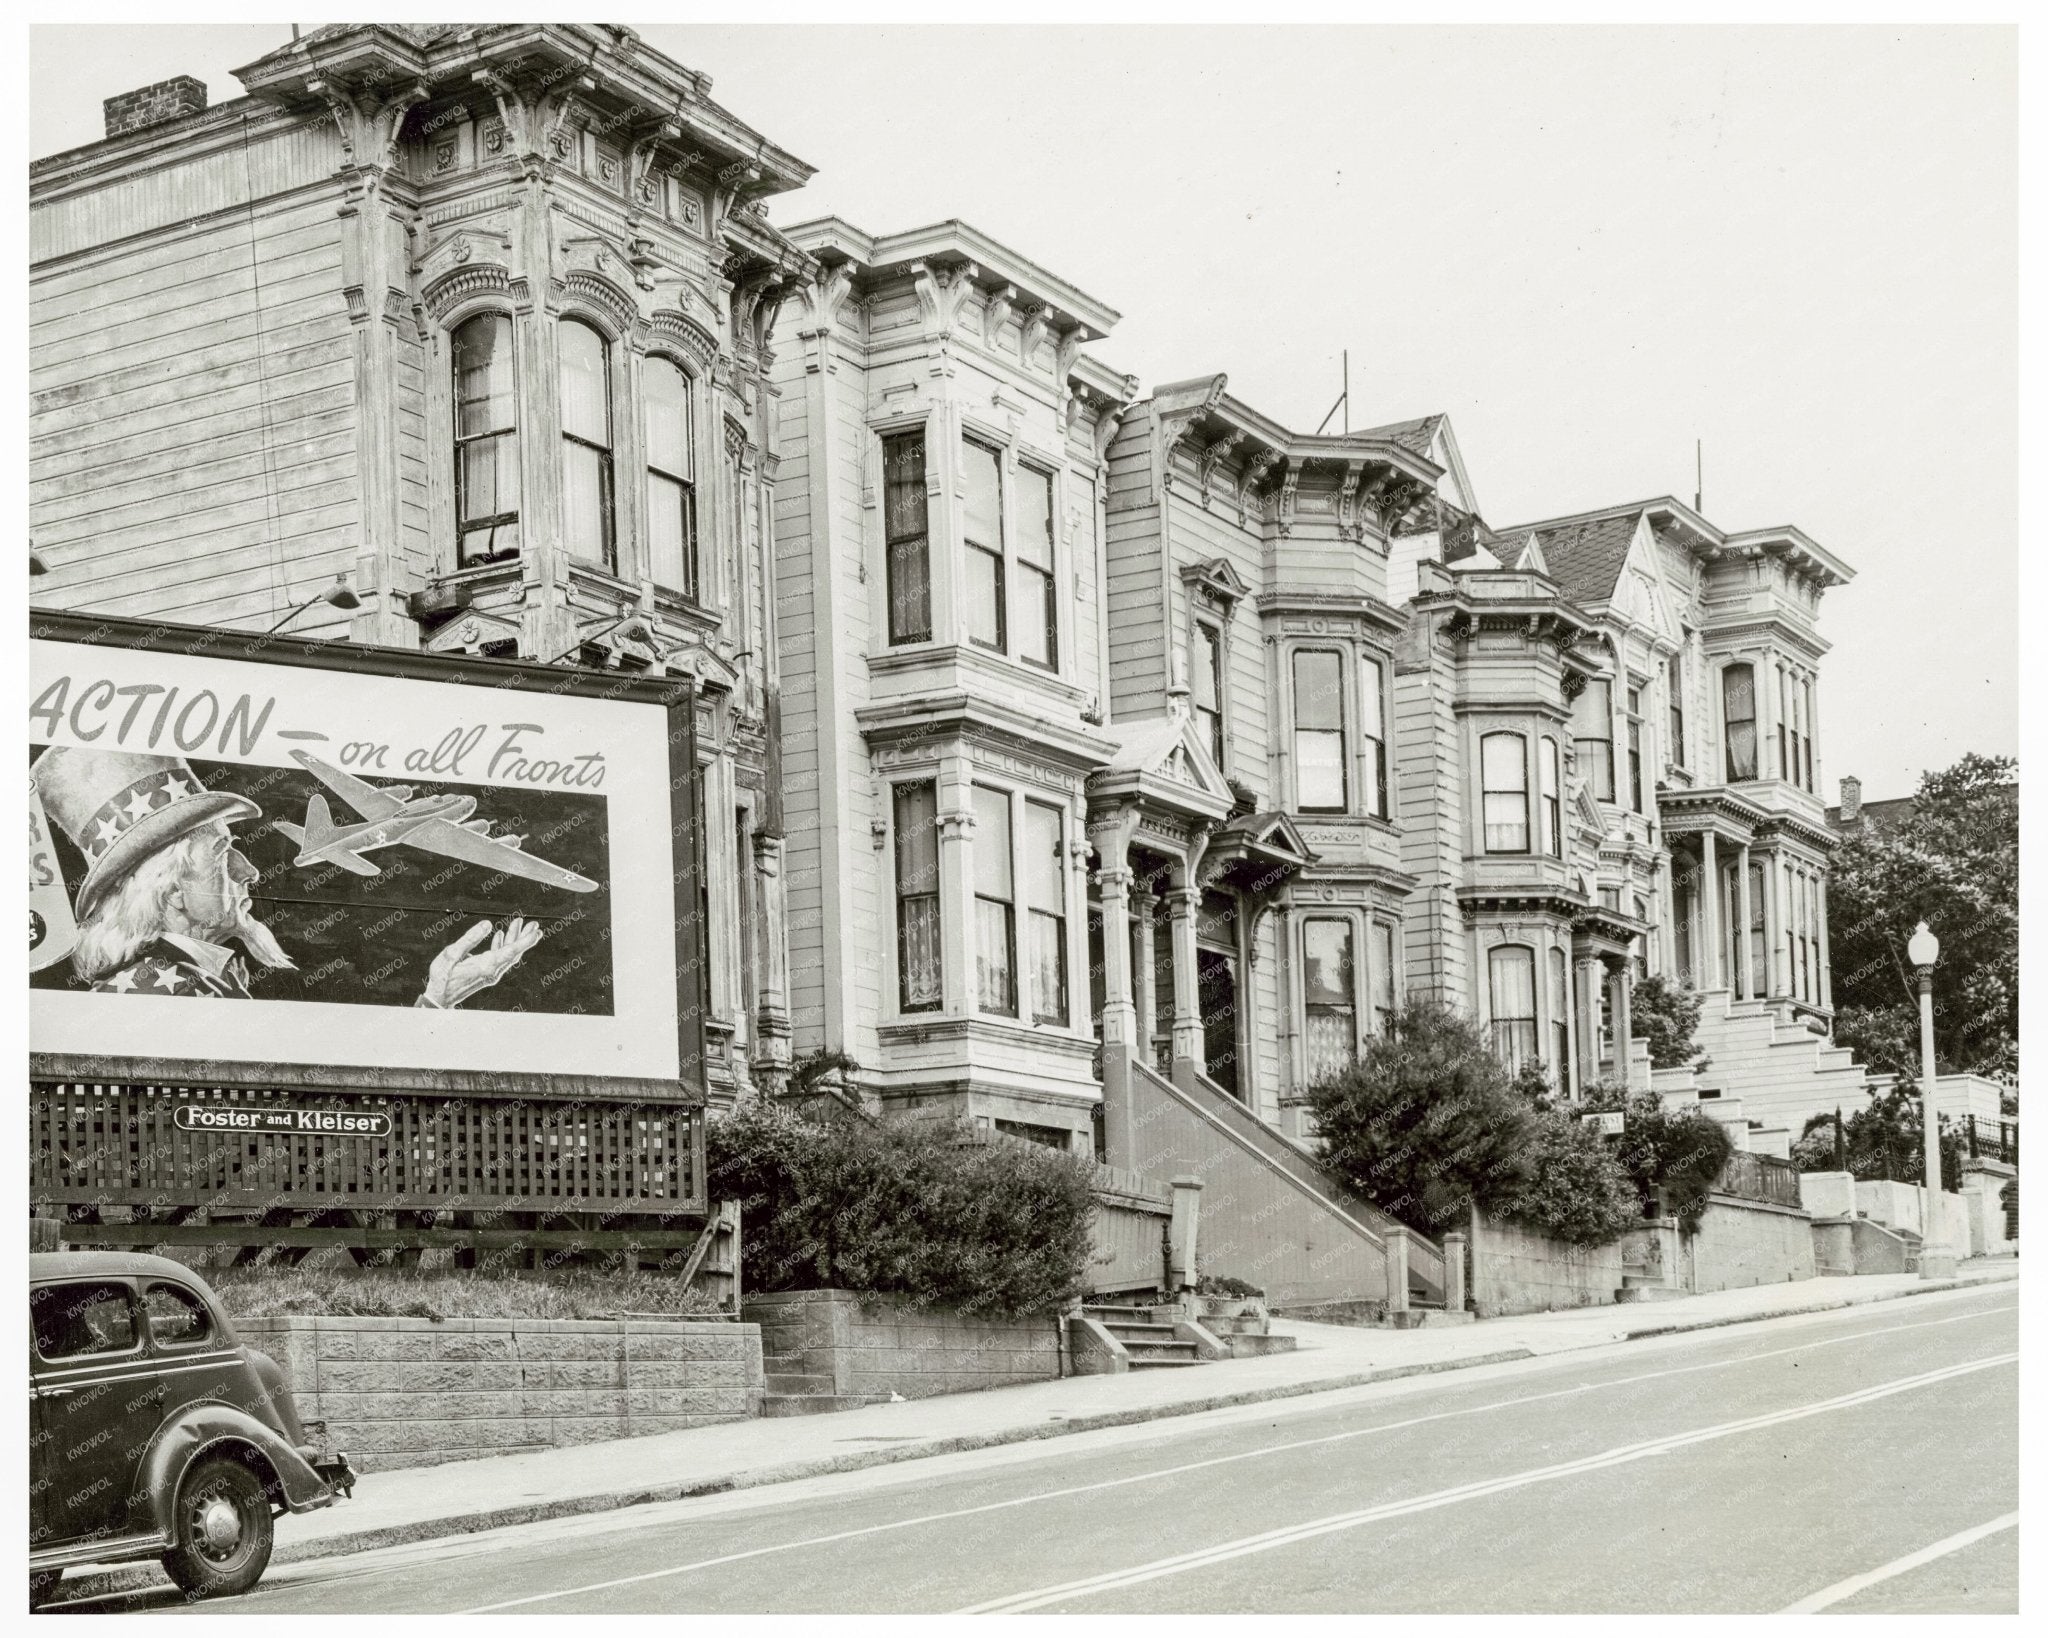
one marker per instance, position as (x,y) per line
(129,1579)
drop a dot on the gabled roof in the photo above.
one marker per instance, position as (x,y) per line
(1164,757)
(1417,435)
(1586,558)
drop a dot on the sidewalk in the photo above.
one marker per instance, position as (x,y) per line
(417,1504)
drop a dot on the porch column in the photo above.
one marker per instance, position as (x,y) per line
(1746,912)
(1119,1020)
(1774,924)
(1183,903)
(1623,982)
(1590,978)
(1710,913)
(1143,981)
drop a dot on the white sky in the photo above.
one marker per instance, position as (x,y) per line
(1589,245)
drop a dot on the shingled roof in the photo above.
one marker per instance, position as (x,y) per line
(1417,435)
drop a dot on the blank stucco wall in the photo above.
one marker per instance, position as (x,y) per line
(1517,1271)
(1747,1242)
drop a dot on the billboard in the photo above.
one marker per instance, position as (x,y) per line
(297,853)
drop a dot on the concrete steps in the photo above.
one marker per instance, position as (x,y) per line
(1157,1336)
(1782,1072)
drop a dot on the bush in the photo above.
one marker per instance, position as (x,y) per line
(1673,1158)
(1667,1015)
(927,1210)
(1427,1123)
(1577,1190)
(264,1292)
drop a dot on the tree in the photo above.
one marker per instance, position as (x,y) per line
(1427,1124)
(1882,1140)
(1666,1014)
(1953,863)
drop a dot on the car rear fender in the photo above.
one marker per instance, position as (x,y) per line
(202,1430)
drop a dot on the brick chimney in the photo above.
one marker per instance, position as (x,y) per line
(153,104)
(1852,800)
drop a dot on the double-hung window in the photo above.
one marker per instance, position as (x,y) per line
(995,904)
(1382,975)
(1504,792)
(586,402)
(987,616)
(907,538)
(1511,985)
(486,442)
(1738,720)
(1045,890)
(1038,630)
(1549,785)
(1635,749)
(1207,681)
(1593,736)
(1675,687)
(1560,1026)
(1330,992)
(917,896)
(1372,684)
(1319,783)
(1806,693)
(671,489)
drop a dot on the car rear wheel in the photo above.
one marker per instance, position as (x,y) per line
(42,1587)
(221,1539)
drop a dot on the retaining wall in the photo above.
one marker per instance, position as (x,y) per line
(414,1392)
(1748,1242)
(891,1346)
(1518,1271)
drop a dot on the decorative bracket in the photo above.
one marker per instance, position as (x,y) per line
(997,311)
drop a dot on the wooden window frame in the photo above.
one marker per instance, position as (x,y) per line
(1342,730)
(1486,790)
(608,507)
(502,439)
(902,638)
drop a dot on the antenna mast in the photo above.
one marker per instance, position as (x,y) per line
(1343,399)
(1698,476)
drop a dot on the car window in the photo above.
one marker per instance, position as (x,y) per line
(81,1319)
(177,1318)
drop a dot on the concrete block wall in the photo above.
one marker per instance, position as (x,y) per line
(414,1392)
(1518,1271)
(877,1346)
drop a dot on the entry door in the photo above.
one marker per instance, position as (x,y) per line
(1216,981)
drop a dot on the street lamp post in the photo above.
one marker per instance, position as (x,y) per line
(1937,1260)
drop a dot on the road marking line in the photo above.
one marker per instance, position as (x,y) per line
(1214,1461)
(1898,1566)
(1289,1535)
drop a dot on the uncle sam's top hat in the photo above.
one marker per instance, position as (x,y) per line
(119,807)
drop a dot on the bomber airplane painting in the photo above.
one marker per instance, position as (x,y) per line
(391,815)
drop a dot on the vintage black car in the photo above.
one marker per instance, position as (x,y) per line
(155,1432)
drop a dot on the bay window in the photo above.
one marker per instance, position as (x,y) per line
(1560,1026)
(917,896)
(671,490)
(1319,783)
(1504,792)
(995,904)
(984,603)
(1738,720)
(1038,633)
(1593,736)
(1511,990)
(486,441)
(1372,683)
(906,538)
(1548,787)
(1635,749)
(1806,692)
(584,360)
(1675,685)
(1330,995)
(1045,889)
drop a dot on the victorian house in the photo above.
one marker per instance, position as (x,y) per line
(474,319)
(1066,748)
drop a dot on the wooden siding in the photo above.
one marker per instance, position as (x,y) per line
(1138,655)
(192,436)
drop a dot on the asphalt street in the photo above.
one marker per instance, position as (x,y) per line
(1863,1461)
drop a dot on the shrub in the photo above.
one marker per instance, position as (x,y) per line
(1226,1285)
(1666,1015)
(1674,1158)
(1577,1191)
(263,1292)
(1426,1124)
(927,1210)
